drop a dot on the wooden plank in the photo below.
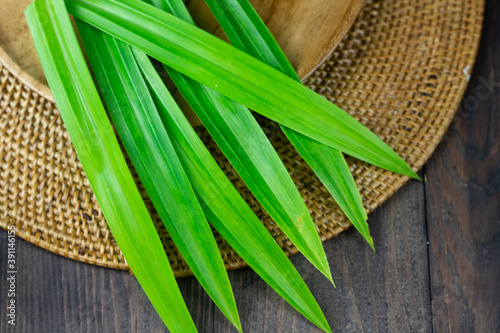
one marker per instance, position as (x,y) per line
(379,292)
(462,195)
(383,292)
(55,294)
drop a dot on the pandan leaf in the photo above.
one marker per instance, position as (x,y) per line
(246,30)
(247,148)
(237,75)
(224,207)
(98,150)
(149,147)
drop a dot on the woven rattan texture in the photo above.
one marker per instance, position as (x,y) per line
(401,71)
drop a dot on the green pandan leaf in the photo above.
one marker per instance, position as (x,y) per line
(93,138)
(247,148)
(247,31)
(237,75)
(149,147)
(225,208)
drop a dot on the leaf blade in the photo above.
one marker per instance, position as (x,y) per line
(100,155)
(233,73)
(225,208)
(246,30)
(247,148)
(136,119)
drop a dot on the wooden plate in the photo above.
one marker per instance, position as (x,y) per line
(308,31)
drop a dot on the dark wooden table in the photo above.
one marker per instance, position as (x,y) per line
(437,266)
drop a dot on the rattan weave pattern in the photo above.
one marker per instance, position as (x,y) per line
(401,71)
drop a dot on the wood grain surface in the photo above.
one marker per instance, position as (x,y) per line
(462,201)
(437,266)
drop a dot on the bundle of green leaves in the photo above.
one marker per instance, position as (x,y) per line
(221,82)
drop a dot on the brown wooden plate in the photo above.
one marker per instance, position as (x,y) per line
(308,31)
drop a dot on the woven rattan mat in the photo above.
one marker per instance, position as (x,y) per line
(401,71)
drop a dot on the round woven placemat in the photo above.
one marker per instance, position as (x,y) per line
(401,71)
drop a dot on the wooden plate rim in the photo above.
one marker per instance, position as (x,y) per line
(43,90)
